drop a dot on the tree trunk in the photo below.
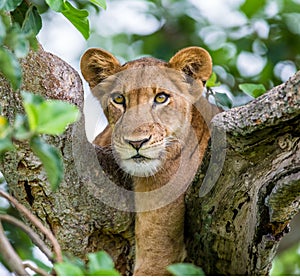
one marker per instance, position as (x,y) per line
(249,193)
(235,228)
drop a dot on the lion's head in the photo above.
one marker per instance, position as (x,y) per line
(149,105)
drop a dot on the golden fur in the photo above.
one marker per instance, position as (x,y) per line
(158,134)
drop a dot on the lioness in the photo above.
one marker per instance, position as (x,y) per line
(158,134)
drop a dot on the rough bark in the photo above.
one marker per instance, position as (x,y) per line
(233,228)
(236,227)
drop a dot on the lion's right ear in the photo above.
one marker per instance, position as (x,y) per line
(97,64)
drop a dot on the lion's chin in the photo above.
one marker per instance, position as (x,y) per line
(141,166)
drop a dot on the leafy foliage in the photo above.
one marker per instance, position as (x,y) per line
(185,269)
(48,116)
(42,117)
(253,90)
(20,22)
(287,263)
(99,264)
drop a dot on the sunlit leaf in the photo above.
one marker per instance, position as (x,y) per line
(55,116)
(48,116)
(68,269)
(100,3)
(9,5)
(79,18)
(100,263)
(6,145)
(31,103)
(251,7)
(185,269)
(10,67)
(212,81)
(253,90)
(51,159)
(55,5)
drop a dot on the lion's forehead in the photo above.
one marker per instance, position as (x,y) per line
(144,77)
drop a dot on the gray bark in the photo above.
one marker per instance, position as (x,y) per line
(233,228)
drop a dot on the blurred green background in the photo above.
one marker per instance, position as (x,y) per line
(250,41)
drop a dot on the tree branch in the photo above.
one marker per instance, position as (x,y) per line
(34,237)
(36,222)
(36,269)
(236,227)
(10,256)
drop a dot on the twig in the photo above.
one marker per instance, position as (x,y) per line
(34,220)
(10,256)
(33,235)
(36,269)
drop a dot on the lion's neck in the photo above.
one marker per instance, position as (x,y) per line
(160,232)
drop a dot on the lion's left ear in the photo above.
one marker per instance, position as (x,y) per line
(193,61)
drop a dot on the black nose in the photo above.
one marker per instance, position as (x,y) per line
(137,144)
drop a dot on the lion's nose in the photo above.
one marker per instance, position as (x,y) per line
(137,144)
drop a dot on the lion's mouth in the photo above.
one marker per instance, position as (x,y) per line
(138,158)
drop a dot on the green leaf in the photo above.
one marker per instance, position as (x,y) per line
(104,272)
(100,3)
(10,67)
(9,5)
(68,269)
(21,129)
(212,81)
(251,7)
(185,269)
(51,160)
(17,41)
(55,5)
(31,103)
(18,15)
(223,100)
(6,145)
(5,136)
(100,263)
(78,18)
(2,30)
(55,116)
(253,90)
(292,22)
(32,22)
(48,116)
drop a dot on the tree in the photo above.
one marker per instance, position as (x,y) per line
(234,227)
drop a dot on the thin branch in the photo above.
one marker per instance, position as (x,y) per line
(37,270)
(34,220)
(10,256)
(33,235)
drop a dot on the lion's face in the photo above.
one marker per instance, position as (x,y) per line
(148,104)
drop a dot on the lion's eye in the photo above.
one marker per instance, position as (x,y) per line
(118,98)
(161,98)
